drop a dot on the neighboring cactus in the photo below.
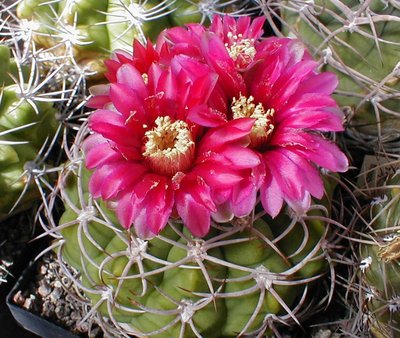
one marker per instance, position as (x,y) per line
(376,287)
(27,125)
(360,41)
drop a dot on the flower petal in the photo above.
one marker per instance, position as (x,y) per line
(195,216)
(224,213)
(128,75)
(206,116)
(217,57)
(234,130)
(125,210)
(158,204)
(271,195)
(127,101)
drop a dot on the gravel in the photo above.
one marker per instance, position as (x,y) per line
(52,295)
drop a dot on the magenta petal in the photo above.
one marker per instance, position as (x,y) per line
(101,154)
(106,116)
(307,174)
(199,190)
(289,82)
(217,176)
(300,206)
(255,31)
(98,102)
(159,203)
(125,210)
(111,126)
(309,101)
(271,195)
(91,142)
(126,101)
(324,153)
(205,116)
(98,178)
(112,66)
(100,96)
(130,76)
(218,58)
(123,175)
(216,25)
(327,120)
(244,197)
(241,158)
(286,173)
(224,213)
(234,130)
(324,83)
(148,182)
(201,89)
(140,222)
(195,216)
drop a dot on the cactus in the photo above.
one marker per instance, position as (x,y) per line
(27,124)
(247,277)
(177,225)
(360,41)
(375,285)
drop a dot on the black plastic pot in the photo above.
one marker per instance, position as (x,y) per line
(31,321)
(9,327)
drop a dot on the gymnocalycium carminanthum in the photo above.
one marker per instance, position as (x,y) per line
(198,194)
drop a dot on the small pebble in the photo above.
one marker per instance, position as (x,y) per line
(28,304)
(53,300)
(55,295)
(19,299)
(44,290)
(43,269)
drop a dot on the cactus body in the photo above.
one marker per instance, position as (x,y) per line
(24,128)
(242,278)
(379,256)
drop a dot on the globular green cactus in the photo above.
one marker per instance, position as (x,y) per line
(249,277)
(378,257)
(360,42)
(26,124)
(88,30)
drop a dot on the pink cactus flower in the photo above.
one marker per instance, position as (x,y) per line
(292,107)
(153,161)
(275,82)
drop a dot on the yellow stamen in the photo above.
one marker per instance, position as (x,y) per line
(145,78)
(240,47)
(169,146)
(263,126)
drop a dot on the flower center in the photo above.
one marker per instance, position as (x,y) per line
(263,126)
(169,146)
(241,50)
